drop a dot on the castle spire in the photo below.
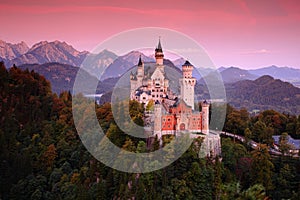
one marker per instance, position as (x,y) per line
(159,56)
(159,48)
(140,71)
(140,61)
(159,45)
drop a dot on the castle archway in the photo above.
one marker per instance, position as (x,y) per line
(182,126)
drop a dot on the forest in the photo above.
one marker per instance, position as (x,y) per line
(42,156)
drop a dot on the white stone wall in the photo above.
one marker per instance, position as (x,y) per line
(187,91)
(205,118)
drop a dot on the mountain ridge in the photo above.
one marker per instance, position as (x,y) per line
(123,63)
(59,51)
(264,93)
(45,52)
(285,73)
(10,51)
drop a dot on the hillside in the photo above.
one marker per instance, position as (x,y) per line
(264,93)
(229,75)
(61,76)
(234,74)
(42,156)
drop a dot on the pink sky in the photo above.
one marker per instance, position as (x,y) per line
(242,33)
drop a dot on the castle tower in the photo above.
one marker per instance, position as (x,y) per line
(159,55)
(187,84)
(205,117)
(140,72)
(133,84)
(157,119)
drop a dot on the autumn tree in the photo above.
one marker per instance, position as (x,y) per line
(49,157)
(150,105)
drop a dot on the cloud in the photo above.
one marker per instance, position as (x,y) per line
(255,52)
(187,50)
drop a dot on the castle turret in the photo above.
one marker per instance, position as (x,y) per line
(187,84)
(140,69)
(140,72)
(159,55)
(205,117)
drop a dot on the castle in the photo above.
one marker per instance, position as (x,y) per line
(172,113)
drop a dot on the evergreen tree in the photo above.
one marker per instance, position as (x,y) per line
(262,167)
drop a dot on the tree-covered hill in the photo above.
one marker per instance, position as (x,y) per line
(42,157)
(264,93)
(61,76)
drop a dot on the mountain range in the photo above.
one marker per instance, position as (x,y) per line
(59,62)
(284,73)
(56,51)
(234,74)
(44,52)
(112,65)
